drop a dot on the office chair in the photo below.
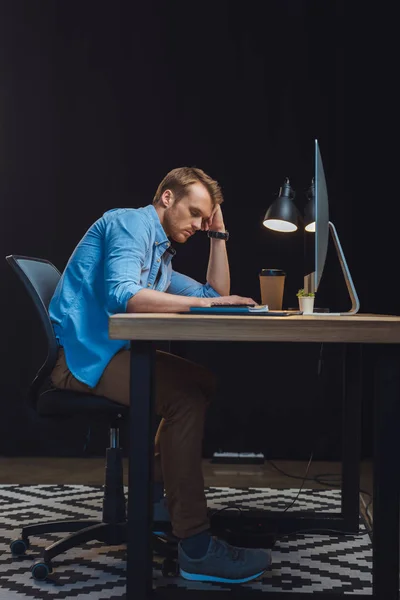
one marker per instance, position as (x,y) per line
(40,278)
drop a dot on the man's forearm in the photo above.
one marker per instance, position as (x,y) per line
(218,275)
(152,301)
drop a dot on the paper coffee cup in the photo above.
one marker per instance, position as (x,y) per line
(272,283)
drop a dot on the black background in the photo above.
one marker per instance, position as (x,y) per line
(100,100)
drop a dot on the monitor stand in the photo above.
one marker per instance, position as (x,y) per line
(309,280)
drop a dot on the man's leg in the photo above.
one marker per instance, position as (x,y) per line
(183,392)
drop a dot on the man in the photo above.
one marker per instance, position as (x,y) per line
(123,264)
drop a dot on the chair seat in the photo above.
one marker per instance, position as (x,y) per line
(55,402)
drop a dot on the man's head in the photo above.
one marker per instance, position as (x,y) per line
(185,198)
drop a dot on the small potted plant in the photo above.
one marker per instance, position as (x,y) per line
(306,301)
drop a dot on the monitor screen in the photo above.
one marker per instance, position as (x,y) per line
(321,217)
(316,242)
(317,220)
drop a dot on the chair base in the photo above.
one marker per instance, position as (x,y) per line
(111,530)
(82,532)
(56,527)
(112,534)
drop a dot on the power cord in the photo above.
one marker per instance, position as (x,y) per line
(305,478)
(320,479)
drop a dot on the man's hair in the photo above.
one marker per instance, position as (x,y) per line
(178,180)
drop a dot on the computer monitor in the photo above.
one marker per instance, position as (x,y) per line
(322,226)
(321,217)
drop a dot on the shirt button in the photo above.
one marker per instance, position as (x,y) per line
(156,243)
(158,260)
(149,285)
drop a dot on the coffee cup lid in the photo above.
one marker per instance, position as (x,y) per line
(278,272)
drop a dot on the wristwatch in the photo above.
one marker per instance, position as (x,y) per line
(219,235)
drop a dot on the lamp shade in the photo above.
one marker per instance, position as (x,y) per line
(309,211)
(282,215)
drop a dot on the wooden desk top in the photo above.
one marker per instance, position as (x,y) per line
(373,329)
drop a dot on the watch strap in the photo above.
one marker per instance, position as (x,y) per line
(218,235)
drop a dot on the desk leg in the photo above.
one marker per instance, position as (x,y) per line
(352,401)
(141,455)
(386,475)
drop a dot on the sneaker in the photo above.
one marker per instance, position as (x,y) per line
(224,563)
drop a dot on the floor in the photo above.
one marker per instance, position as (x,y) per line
(90,471)
(301,563)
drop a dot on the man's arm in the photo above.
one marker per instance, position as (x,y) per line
(152,301)
(218,275)
(126,240)
(126,243)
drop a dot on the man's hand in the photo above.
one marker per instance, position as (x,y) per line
(215,222)
(231,300)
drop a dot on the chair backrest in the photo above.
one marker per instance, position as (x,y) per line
(40,278)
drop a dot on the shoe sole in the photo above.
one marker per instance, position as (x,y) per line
(212,578)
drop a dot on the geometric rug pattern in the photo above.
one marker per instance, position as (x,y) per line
(301,562)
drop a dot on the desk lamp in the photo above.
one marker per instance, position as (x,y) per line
(283,215)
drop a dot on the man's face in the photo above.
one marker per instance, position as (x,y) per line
(183,218)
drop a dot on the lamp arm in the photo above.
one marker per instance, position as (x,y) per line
(355,303)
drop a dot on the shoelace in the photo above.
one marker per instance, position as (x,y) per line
(232,551)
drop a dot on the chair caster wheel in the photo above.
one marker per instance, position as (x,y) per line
(41,570)
(170,567)
(19,547)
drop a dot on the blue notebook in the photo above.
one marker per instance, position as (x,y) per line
(240,310)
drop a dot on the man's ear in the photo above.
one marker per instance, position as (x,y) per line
(167,199)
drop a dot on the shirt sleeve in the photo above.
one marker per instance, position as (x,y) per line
(126,241)
(182,285)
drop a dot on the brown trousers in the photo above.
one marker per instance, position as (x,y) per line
(183,392)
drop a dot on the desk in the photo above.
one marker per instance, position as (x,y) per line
(146,329)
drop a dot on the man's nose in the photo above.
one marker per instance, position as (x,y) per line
(197,224)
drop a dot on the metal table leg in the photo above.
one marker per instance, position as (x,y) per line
(351,442)
(141,459)
(386,475)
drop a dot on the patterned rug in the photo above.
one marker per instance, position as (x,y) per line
(301,563)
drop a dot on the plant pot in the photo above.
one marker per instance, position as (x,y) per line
(306,305)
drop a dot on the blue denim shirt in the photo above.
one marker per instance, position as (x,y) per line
(123,252)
